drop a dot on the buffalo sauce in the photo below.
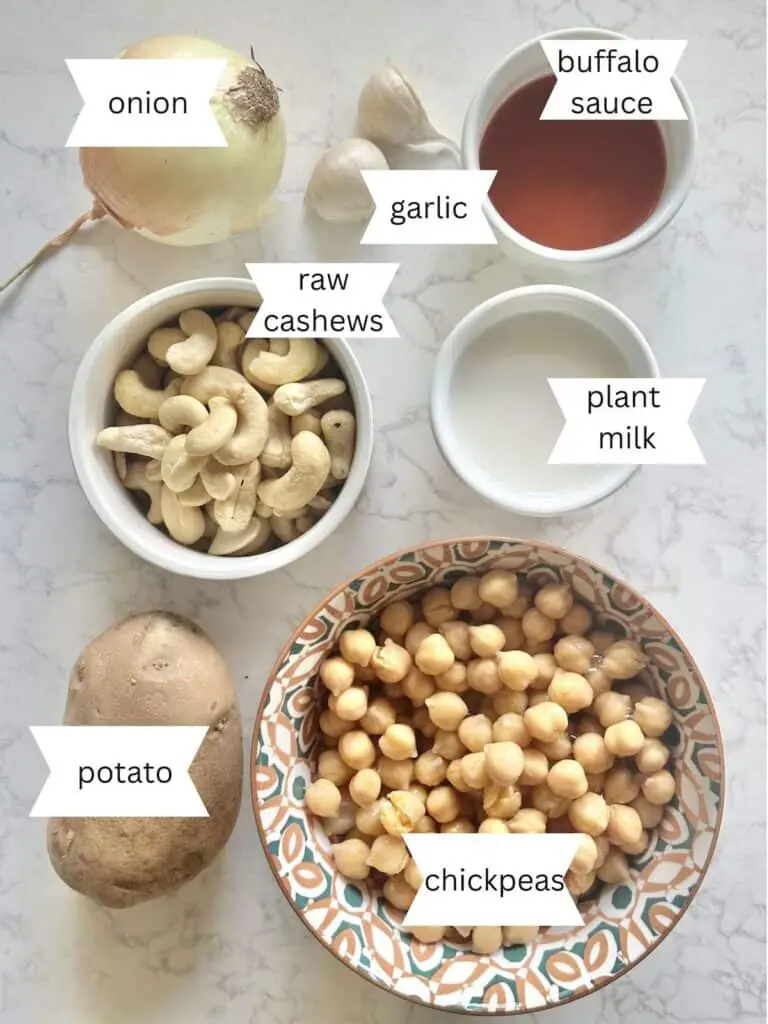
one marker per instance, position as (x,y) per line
(571,184)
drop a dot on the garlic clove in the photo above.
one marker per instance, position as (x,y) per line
(389,110)
(336,190)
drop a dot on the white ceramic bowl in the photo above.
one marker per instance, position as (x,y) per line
(527,63)
(92,406)
(572,302)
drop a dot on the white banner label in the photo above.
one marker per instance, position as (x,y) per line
(493,879)
(428,208)
(641,421)
(613,80)
(322,300)
(119,771)
(146,103)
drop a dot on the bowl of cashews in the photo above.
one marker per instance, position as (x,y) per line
(209,453)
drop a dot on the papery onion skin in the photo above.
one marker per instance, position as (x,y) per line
(192,196)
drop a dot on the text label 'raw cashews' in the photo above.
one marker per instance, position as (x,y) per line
(119,771)
(478,879)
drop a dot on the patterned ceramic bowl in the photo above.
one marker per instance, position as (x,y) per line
(621,925)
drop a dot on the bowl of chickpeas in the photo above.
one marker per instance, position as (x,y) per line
(491,686)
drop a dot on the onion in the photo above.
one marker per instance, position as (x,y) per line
(191,196)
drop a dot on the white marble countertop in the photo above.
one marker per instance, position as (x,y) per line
(227,946)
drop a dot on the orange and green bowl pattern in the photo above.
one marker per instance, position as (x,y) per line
(621,925)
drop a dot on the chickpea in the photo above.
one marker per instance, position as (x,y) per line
(357,646)
(412,874)
(621,785)
(585,859)
(624,825)
(493,826)
(356,749)
(434,655)
(586,723)
(413,638)
(454,680)
(537,697)
(474,771)
(364,674)
(426,824)
(546,667)
(342,822)
(368,821)
(398,742)
(486,939)
(454,776)
(443,804)
(514,638)
(422,723)
(614,868)
(651,815)
(418,790)
(456,634)
(509,701)
(527,820)
(577,622)
(659,788)
(446,710)
(331,725)
(549,803)
(323,798)
(392,691)
(519,935)
(596,782)
(625,739)
(486,641)
(590,814)
(485,613)
(378,717)
(475,732)
(483,675)
(436,606)
(571,691)
(337,675)
(601,639)
(545,721)
(498,588)
(417,686)
(331,766)
(579,885)
(511,726)
(567,779)
(604,847)
(396,619)
(590,751)
(636,692)
(574,654)
(521,604)
(612,708)
(623,660)
(465,594)
(388,854)
(517,670)
(352,704)
(538,628)
(535,767)
(653,716)
(400,811)
(651,757)
(427,934)
(554,600)
(429,768)
(501,801)
(391,662)
(559,749)
(397,892)
(598,680)
(350,857)
(448,745)
(364,787)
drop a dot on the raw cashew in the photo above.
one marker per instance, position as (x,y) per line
(147,439)
(154,470)
(263,511)
(277,450)
(246,319)
(254,536)
(195,496)
(161,340)
(250,436)
(294,399)
(181,411)
(323,355)
(235,512)
(252,350)
(136,479)
(311,462)
(230,314)
(280,346)
(304,523)
(293,513)
(338,427)
(136,398)
(218,481)
(230,337)
(217,429)
(306,421)
(320,504)
(284,529)
(121,465)
(184,523)
(148,370)
(179,468)
(295,365)
(194,353)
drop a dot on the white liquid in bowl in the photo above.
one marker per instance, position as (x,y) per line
(505,418)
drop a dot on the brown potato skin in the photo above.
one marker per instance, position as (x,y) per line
(152,669)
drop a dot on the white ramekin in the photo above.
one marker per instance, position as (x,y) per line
(575,303)
(92,408)
(527,63)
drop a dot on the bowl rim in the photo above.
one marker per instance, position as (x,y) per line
(334,592)
(184,561)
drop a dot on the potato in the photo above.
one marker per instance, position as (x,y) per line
(152,669)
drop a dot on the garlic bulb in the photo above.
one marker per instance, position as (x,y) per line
(390,111)
(193,196)
(336,190)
